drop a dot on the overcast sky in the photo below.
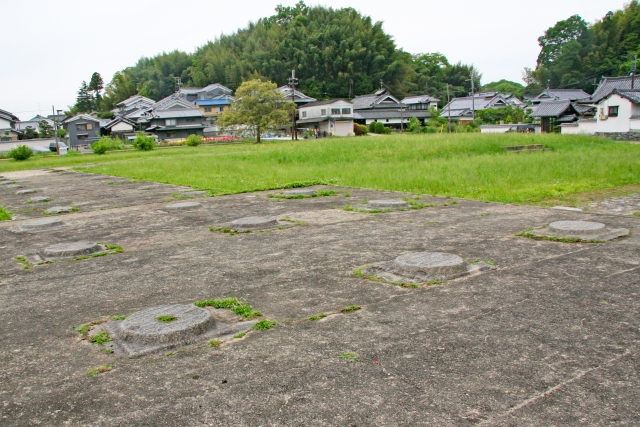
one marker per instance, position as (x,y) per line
(51,46)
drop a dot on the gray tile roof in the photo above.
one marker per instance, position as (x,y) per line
(582,108)
(551,109)
(8,116)
(608,85)
(173,99)
(419,99)
(298,96)
(562,94)
(181,112)
(631,95)
(376,100)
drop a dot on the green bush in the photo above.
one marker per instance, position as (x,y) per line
(21,152)
(101,146)
(61,133)
(414,125)
(360,129)
(194,140)
(144,142)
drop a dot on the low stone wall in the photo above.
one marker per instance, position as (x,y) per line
(620,136)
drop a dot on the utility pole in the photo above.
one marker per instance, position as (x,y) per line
(55,125)
(633,75)
(292,84)
(449,109)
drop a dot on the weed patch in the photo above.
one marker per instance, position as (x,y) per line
(166,319)
(100,370)
(85,328)
(240,335)
(5,214)
(238,307)
(317,317)
(24,262)
(415,204)
(530,235)
(319,193)
(349,356)
(350,309)
(215,343)
(101,337)
(264,325)
(227,230)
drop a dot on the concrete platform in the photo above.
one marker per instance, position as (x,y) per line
(549,337)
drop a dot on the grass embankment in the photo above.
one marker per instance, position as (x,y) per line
(461,165)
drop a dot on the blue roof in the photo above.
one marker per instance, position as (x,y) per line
(212,101)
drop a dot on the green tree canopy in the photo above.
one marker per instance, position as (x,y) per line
(258,107)
(505,86)
(575,55)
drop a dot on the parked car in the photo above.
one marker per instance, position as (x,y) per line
(52,146)
(522,129)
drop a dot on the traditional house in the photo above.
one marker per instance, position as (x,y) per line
(33,123)
(607,85)
(121,127)
(462,110)
(296,96)
(555,113)
(8,131)
(329,118)
(82,129)
(572,95)
(618,116)
(174,117)
(382,107)
(420,102)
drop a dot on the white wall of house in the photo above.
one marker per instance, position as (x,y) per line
(634,125)
(326,110)
(343,128)
(122,127)
(494,128)
(405,120)
(5,124)
(621,123)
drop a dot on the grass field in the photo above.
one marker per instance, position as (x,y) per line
(461,165)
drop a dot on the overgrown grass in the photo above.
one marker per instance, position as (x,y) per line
(530,235)
(101,337)
(264,325)
(460,165)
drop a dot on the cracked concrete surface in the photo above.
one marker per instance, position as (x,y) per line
(550,337)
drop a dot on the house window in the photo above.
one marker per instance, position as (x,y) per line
(82,137)
(84,126)
(191,120)
(613,111)
(172,134)
(335,111)
(207,109)
(323,112)
(170,122)
(346,111)
(221,109)
(304,114)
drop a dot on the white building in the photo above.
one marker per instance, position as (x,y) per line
(617,113)
(330,118)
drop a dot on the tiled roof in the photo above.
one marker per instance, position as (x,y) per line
(562,94)
(582,108)
(567,118)
(631,95)
(181,112)
(317,103)
(419,99)
(299,96)
(136,99)
(173,99)
(374,100)
(608,85)
(551,109)
(8,116)
(81,117)
(117,120)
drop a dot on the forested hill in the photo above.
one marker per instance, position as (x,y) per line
(575,55)
(335,52)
